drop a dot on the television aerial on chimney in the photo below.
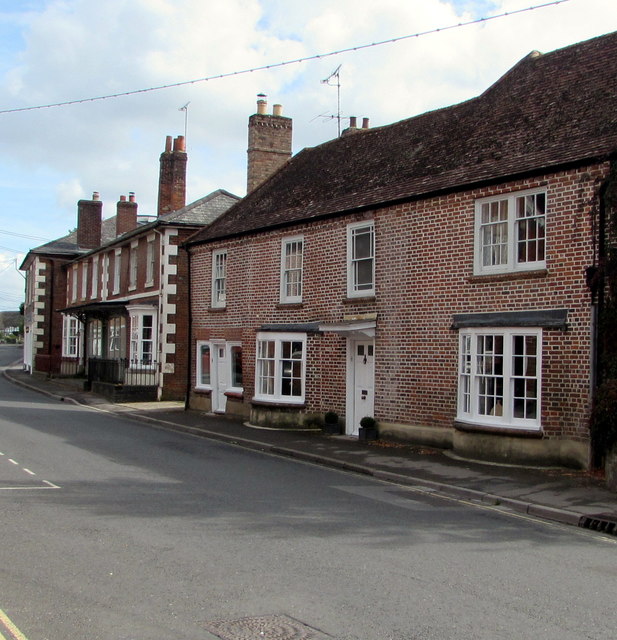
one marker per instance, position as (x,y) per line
(185,108)
(334,80)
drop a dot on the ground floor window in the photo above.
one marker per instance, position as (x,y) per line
(143,336)
(281,363)
(499,377)
(71,337)
(219,364)
(116,337)
(203,379)
(95,339)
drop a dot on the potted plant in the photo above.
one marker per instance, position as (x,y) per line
(368,429)
(331,423)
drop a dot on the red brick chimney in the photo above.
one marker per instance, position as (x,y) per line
(89,214)
(172,176)
(126,214)
(269,143)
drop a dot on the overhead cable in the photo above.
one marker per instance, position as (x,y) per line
(275,65)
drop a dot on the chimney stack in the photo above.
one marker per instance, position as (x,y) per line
(269,143)
(172,176)
(89,215)
(126,214)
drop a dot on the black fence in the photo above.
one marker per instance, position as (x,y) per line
(134,373)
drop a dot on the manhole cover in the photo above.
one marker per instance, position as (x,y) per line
(272,627)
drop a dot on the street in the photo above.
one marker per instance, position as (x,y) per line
(115,530)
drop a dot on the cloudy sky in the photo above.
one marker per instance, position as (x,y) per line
(55,51)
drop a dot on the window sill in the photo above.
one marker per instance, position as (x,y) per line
(150,283)
(202,390)
(359,299)
(290,305)
(470,427)
(510,275)
(277,403)
(217,309)
(236,395)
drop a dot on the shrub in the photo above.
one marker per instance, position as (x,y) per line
(604,417)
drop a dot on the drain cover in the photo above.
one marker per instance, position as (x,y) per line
(272,627)
(606,522)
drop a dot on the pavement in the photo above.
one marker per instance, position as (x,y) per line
(567,496)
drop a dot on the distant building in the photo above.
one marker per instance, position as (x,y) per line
(109,301)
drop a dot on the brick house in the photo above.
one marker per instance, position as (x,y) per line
(432,273)
(120,306)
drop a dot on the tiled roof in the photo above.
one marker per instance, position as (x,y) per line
(202,211)
(549,110)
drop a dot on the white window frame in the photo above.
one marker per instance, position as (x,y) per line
(513,370)
(292,273)
(219,279)
(95,339)
(354,288)
(199,384)
(143,336)
(71,337)
(211,346)
(94,289)
(506,234)
(117,271)
(84,279)
(272,370)
(133,264)
(150,260)
(74,283)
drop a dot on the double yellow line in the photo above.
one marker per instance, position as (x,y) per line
(7,624)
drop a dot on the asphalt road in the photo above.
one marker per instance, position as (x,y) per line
(115,530)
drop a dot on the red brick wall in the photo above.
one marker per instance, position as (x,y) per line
(424,275)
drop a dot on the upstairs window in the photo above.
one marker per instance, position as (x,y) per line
(94,290)
(292,250)
(219,279)
(117,271)
(361,259)
(74,283)
(84,280)
(511,233)
(150,262)
(133,267)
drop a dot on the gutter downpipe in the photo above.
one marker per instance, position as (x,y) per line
(189,347)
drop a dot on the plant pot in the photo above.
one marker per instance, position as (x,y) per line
(332,428)
(367,433)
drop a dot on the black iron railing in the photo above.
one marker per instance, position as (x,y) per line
(134,373)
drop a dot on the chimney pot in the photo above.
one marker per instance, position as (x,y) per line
(262,104)
(168,144)
(131,196)
(277,110)
(95,195)
(365,124)
(122,198)
(352,122)
(179,144)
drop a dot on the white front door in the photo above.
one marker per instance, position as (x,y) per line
(361,383)
(220,375)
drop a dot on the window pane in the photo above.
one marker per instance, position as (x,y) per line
(236,366)
(204,354)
